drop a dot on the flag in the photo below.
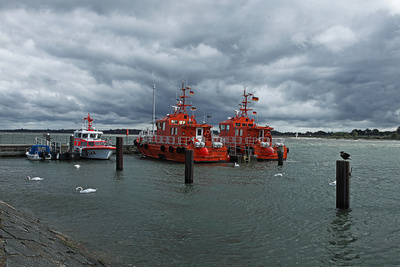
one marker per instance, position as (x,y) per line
(254,112)
(254,98)
(191,92)
(193,108)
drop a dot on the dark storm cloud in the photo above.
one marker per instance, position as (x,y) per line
(314,65)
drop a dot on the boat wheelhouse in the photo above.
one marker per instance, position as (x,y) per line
(88,142)
(243,136)
(177,132)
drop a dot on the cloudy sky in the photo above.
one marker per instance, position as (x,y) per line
(314,64)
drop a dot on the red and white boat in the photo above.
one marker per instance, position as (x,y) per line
(244,137)
(89,144)
(178,132)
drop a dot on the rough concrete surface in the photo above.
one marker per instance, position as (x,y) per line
(25,242)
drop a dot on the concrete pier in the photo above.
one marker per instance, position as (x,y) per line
(25,242)
(18,150)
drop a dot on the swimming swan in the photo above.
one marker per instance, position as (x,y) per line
(278,174)
(236,165)
(77,166)
(82,191)
(33,178)
(332,183)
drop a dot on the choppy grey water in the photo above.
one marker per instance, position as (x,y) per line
(245,216)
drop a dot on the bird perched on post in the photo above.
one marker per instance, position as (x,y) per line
(344,155)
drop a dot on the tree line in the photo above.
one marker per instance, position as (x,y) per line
(354,134)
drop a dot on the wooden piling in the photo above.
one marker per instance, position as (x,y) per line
(189,162)
(119,153)
(342,184)
(71,143)
(280,155)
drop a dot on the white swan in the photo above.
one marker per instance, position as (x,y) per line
(34,178)
(77,166)
(85,191)
(279,175)
(332,183)
(236,164)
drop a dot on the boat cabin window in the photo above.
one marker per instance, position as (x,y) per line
(83,143)
(174,122)
(163,126)
(237,124)
(84,135)
(250,125)
(77,135)
(199,131)
(91,143)
(185,116)
(227,127)
(222,127)
(182,122)
(243,124)
(99,136)
(247,119)
(239,132)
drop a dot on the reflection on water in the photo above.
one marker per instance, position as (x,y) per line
(146,215)
(342,237)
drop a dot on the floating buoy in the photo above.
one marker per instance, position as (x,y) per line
(270,151)
(204,151)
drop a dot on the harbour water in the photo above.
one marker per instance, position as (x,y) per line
(146,215)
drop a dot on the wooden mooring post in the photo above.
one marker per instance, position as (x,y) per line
(119,153)
(280,155)
(342,184)
(189,162)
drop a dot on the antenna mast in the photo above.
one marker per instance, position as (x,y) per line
(154,107)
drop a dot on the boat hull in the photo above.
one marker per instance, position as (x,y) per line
(261,153)
(37,157)
(96,153)
(177,153)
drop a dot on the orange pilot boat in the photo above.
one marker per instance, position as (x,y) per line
(244,137)
(178,132)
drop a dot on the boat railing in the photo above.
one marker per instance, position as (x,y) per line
(233,140)
(183,140)
(251,140)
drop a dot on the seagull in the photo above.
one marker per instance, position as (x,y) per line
(85,191)
(77,166)
(34,178)
(236,164)
(279,175)
(344,155)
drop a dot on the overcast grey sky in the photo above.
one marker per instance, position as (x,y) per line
(314,64)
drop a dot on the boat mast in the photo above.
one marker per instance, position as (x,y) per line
(154,107)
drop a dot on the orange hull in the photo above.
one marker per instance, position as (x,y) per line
(260,152)
(177,153)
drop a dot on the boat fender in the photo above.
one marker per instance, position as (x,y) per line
(183,150)
(287,150)
(162,148)
(171,149)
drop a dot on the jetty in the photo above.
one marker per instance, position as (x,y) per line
(18,150)
(26,242)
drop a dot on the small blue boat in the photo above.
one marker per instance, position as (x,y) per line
(39,152)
